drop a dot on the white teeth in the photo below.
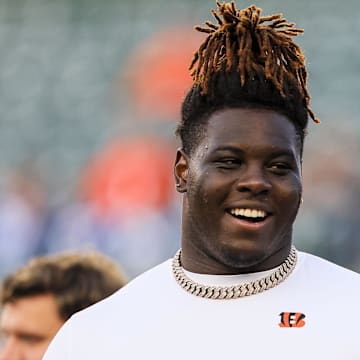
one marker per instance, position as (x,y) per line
(251,213)
(248,213)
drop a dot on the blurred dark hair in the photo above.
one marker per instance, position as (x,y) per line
(75,280)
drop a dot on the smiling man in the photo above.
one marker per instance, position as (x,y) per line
(238,288)
(243,190)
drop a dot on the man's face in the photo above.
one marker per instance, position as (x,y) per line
(242,189)
(27,326)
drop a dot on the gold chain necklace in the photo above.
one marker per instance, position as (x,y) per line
(237,291)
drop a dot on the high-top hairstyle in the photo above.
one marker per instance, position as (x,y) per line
(75,280)
(246,61)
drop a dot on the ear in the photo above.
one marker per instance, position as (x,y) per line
(181,171)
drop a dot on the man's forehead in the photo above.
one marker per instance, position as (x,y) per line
(240,124)
(35,314)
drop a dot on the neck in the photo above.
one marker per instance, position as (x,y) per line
(239,290)
(197,260)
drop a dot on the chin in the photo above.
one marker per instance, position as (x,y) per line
(243,255)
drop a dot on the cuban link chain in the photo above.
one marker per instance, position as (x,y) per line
(237,291)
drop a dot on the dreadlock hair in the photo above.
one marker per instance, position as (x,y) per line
(246,61)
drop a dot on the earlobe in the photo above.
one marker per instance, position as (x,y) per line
(181,171)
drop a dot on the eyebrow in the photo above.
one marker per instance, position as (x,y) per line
(25,334)
(228,148)
(283,152)
(274,153)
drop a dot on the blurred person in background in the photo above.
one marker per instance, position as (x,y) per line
(40,296)
(238,287)
(113,210)
(23,214)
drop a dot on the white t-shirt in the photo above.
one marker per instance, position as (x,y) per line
(313,314)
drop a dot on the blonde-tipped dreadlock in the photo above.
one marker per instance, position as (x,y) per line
(246,61)
(251,44)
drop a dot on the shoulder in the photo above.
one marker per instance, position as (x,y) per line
(327,271)
(99,328)
(145,286)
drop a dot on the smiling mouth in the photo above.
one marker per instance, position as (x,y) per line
(251,215)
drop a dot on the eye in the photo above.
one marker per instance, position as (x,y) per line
(280,168)
(31,339)
(228,163)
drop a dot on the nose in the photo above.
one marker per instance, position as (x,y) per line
(11,350)
(254,180)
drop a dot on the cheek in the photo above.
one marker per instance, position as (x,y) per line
(291,197)
(39,349)
(211,189)
(199,192)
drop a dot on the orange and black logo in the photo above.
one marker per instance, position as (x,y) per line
(292,320)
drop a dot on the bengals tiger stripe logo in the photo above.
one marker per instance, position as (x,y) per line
(292,320)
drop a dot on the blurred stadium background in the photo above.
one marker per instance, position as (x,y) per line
(89,99)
